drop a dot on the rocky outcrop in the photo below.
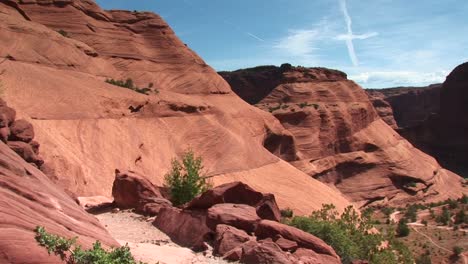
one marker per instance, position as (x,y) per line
(238,193)
(184,227)
(339,138)
(131,190)
(428,117)
(29,199)
(236,231)
(228,238)
(19,135)
(69,49)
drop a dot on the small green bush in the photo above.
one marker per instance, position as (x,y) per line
(444,217)
(185,180)
(457,251)
(424,259)
(402,229)
(461,217)
(72,253)
(63,33)
(130,85)
(287,212)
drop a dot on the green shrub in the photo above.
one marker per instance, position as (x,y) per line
(464,199)
(444,217)
(63,33)
(457,251)
(461,217)
(130,85)
(287,212)
(72,253)
(411,212)
(185,180)
(402,229)
(424,259)
(350,236)
(453,204)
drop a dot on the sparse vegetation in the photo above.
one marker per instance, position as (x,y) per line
(63,33)
(271,109)
(71,253)
(305,104)
(130,85)
(351,236)
(185,180)
(444,217)
(288,213)
(457,251)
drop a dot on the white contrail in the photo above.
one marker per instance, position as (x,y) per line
(255,37)
(349,39)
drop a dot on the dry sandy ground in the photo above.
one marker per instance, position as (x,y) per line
(147,243)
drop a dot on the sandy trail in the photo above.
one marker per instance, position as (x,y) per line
(149,244)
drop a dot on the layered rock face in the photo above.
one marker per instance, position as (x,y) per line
(429,117)
(59,54)
(407,106)
(338,138)
(29,199)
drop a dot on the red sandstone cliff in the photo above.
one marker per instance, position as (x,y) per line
(339,139)
(88,128)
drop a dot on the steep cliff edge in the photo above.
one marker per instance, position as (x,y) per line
(339,139)
(429,117)
(59,54)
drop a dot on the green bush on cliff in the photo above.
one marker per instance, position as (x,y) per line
(71,253)
(351,236)
(185,180)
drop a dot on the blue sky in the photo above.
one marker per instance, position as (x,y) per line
(378,43)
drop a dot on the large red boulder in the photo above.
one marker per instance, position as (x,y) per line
(238,193)
(21,130)
(263,252)
(4,134)
(308,256)
(271,229)
(235,192)
(286,244)
(228,238)
(131,190)
(268,209)
(7,115)
(25,151)
(186,228)
(238,215)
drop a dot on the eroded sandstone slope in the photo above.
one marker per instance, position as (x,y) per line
(339,139)
(28,198)
(59,55)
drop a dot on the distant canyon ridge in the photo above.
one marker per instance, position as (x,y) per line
(432,118)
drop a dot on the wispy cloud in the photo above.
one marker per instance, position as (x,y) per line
(381,79)
(298,43)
